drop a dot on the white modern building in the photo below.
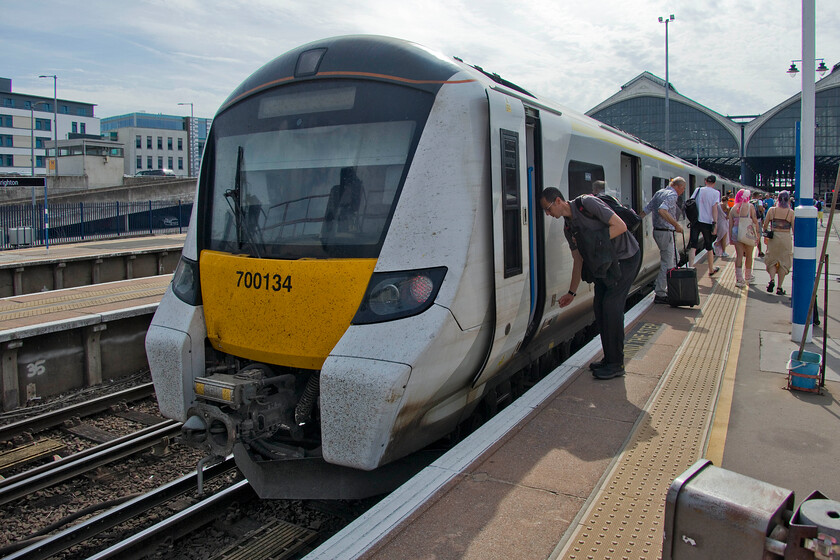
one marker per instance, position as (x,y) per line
(157,141)
(27,130)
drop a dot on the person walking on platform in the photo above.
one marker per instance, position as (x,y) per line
(586,218)
(779,257)
(758,203)
(665,210)
(722,228)
(819,204)
(707,198)
(743,230)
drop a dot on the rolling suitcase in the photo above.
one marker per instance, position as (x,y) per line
(682,283)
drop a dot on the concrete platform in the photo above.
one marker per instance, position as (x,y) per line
(38,269)
(579,468)
(61,340)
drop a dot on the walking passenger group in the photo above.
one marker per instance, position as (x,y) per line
(606,253)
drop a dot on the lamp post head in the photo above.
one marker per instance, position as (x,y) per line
(822,68)
(793,70)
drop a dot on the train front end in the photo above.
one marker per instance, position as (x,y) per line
(300,179)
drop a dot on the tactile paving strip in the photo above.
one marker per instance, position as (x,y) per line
(31,307)
(625,519)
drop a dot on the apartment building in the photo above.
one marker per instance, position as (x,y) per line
(157,141)
(28,132)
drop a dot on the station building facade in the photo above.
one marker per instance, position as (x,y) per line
(757,150)
(158,141)
(28,119)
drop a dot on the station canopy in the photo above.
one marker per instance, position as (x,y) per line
(714,141)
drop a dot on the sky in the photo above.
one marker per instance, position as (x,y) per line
(148,55)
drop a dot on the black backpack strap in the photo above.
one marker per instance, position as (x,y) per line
(582,209)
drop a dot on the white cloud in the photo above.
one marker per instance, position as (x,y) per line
(729,55)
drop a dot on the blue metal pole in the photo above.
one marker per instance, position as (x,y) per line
(46,218)
(804,253)
(805,228)
(797,178)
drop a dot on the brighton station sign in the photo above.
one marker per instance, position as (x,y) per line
(23,181)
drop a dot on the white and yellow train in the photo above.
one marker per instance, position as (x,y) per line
(367,260)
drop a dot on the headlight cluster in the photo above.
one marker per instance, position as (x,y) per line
(394,295)
(185,282)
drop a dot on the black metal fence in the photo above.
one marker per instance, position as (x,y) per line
(24,225)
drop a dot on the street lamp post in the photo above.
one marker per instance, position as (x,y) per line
(32,152)
(55,157)
(666,21)
(805,234)
(191,138)
(793,70)
(55,118)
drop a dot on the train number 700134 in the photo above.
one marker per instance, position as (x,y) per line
(267,282)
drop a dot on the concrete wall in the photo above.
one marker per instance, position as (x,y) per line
(97,171)
(75,189)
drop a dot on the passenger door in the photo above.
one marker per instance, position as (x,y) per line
(509,199)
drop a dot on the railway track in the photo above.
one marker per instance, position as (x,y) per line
(57,417)
(85,461)
(39,546)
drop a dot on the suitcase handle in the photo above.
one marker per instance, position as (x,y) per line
(676,255)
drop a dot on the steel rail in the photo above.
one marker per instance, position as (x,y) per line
(73,465)
(56,417)
(172,528)
(89,528)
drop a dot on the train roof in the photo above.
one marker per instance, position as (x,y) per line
(353,56)
(399,60)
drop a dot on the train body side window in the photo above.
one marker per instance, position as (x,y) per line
(581,177)
(511,205)
(657,183)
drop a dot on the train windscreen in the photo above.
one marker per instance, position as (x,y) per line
(311,170)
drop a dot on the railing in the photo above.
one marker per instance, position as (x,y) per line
(26,225)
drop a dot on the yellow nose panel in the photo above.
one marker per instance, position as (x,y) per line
(288,313)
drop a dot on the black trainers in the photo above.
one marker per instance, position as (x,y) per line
(660,299)
(596,365)
(609,371)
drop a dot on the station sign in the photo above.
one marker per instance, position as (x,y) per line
(23,181)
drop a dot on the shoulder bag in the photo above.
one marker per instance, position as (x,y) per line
(746,228)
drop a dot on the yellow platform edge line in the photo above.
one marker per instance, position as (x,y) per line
(724,280)
(720,423)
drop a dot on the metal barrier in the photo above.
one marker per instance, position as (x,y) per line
(25,225)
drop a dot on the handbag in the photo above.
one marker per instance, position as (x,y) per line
(768,234)
(746,231)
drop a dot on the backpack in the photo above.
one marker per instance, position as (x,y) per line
(596,251)
(692,213)
(627,215)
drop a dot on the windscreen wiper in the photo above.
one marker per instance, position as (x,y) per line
(235,195)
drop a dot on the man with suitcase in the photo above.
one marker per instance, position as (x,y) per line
(665,210)
(583,218)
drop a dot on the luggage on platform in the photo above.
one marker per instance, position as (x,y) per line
(682,283)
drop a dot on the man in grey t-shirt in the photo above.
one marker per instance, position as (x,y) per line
(609,301)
